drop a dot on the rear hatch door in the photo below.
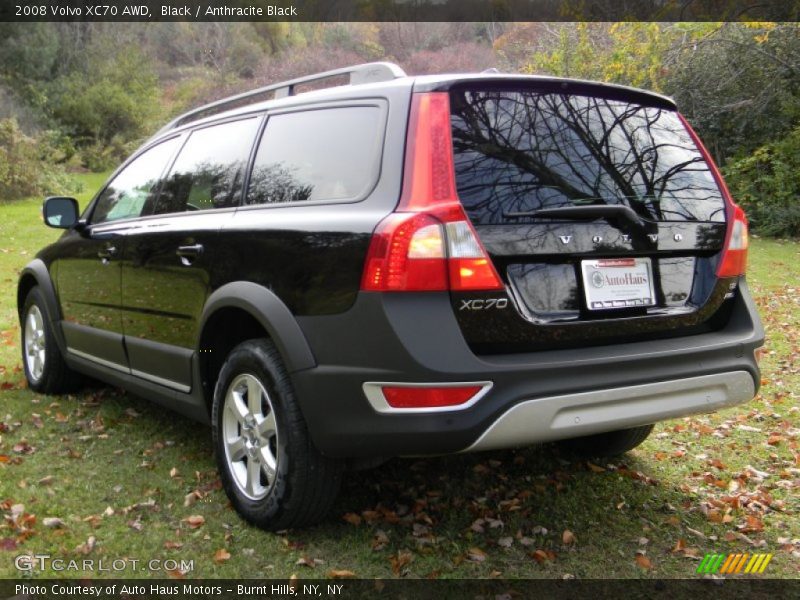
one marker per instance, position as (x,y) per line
(597,209)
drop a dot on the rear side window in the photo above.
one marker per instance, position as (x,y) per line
(132,192)
(209,171)
(519,151)
(327,154)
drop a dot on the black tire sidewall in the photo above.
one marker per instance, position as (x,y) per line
(252,358)
(52,354)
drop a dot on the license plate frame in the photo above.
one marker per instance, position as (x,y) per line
(617,283)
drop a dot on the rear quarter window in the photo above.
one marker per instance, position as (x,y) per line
(519,151)
(323,154)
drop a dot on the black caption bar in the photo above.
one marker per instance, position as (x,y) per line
(419,589)
(398,10)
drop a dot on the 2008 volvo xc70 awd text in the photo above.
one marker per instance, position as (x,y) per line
(403,266)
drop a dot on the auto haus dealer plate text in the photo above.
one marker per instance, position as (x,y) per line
(618,283)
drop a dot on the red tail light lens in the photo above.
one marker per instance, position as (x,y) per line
(734,257)
(734,254)
(429,397)
(406,254)
(429,244)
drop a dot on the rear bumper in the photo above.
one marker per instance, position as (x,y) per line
(586,413)
(534,397)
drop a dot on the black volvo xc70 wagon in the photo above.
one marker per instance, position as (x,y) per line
(403,266)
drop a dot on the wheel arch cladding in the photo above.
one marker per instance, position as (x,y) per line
(254,305)
(33,274)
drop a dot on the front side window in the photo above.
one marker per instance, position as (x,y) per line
(209,170)
(132,192)
(328,154)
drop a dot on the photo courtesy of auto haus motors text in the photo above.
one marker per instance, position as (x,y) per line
(180,590)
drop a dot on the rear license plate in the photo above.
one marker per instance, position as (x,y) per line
(618,283)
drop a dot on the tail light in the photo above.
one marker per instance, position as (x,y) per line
(733,261)
(428,244)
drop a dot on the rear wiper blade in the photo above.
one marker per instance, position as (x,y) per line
(580,213)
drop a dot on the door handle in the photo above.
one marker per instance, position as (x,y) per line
(107,253)
(188,253)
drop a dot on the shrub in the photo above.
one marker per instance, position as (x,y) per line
(24,166)
(767,185)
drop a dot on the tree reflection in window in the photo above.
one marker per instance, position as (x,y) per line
(132,192)
(209,170)
(519,151)
(323,154)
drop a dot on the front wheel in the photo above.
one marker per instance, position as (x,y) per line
(270,469)
(609,444)
(42,361)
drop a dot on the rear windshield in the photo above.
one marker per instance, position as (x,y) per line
(520,151)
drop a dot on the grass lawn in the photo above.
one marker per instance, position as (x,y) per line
(106,475)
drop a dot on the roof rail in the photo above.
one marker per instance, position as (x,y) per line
(359,74)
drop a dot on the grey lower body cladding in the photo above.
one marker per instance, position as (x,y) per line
(586,413)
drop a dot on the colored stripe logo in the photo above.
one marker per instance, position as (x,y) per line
(734,563)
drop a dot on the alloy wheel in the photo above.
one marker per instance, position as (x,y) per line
(34,342)
(250,436)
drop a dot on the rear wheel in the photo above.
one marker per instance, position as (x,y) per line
(612,443)
(42,360)
(270,469)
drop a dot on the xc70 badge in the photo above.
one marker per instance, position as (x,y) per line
(484,304)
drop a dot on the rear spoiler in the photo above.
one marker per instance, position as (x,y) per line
(536,83)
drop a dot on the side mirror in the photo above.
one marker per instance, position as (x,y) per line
(60,212)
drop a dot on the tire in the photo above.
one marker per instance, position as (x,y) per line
(42,361)
(612,443)
(272,472)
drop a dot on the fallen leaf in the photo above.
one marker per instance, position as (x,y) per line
(173,472)
(192,497)
(24,447)
(568,538)
(176,574)
(47,480)
(541,556)
(306,561)
(341,574)
(380,541)
(195,521)
(643,561)
(476,555)
(170,545)
(53,522)
(221,555)
(8,544)
(752,524)
(87,546)
(352,518)
(400,560)
(505,542)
